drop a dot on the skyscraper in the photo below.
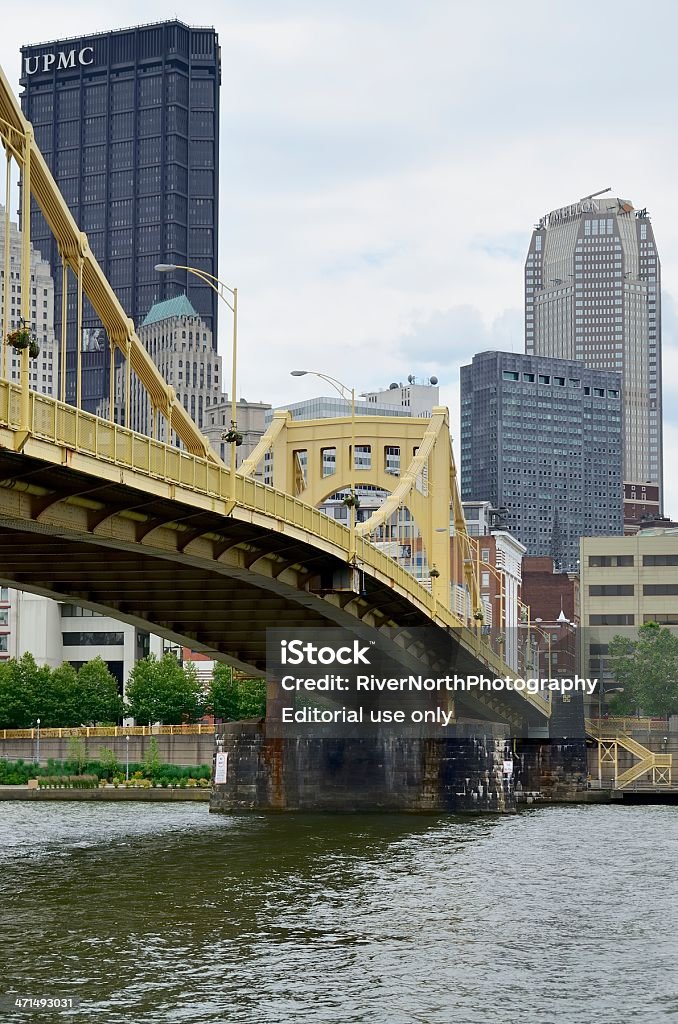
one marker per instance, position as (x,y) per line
(542,439)
(128,122)
(593,292)
(44,369)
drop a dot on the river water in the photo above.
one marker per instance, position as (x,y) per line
(161,912)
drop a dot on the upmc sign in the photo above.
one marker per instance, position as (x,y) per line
(59,61)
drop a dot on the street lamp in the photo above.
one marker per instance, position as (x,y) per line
(343,391)
(37,744)
(223,291)
(127,759)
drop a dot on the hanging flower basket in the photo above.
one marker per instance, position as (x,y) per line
(33,349)
(233,436)
(352,501)
(20,338)
(479,614)
(434,574)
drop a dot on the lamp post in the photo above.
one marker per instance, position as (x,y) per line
(223,291)
(126,758)
(343,391)
(37,743)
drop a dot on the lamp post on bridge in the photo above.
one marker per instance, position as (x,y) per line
(343,391)
(229,296)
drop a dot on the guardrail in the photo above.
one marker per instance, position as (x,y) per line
(87,732)
(632,724)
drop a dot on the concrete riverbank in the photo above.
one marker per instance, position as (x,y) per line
(182,750)
(107,793)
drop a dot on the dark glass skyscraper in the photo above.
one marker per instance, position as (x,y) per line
(128,122)
(543,438)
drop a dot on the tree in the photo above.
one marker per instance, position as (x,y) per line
(109,762)
(164,691)
(99,697)
(233,700)
(151,763)
(22,688)
(647,668)
(60,703)
(76,753)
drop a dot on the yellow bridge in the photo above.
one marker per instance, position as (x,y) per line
(165,536)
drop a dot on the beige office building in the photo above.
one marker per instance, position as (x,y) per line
(593,292)
(625,582)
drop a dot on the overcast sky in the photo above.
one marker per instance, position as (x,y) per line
(383,164)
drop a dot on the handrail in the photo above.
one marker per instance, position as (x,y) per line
(91,732)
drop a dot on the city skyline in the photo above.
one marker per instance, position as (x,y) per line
(379,198)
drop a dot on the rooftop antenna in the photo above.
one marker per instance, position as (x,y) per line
(594,194)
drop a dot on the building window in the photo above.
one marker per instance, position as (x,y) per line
(392,460)
(611,590)
(611,620)
(93,639)
(660,559)
(610,561)
(328,461)
(363,456)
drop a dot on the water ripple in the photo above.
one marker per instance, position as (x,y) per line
(160,912)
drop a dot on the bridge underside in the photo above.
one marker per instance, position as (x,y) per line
(212,581)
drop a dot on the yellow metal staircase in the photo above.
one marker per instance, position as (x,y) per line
(611,738)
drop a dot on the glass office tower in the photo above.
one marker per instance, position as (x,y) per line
(128,122)
(542,439)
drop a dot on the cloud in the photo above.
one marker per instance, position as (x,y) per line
(381,170)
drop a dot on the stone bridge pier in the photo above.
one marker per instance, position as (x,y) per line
(383,773)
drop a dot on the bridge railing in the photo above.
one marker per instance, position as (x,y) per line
(91,732)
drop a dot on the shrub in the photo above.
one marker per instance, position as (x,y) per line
(107,765)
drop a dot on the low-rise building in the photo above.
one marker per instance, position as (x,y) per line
(625,583)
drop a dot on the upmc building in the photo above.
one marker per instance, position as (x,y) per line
(128,123)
